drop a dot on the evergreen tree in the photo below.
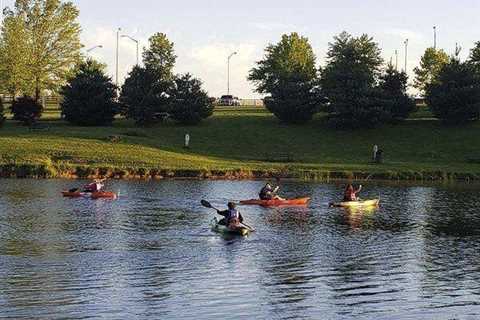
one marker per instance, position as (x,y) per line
(189,102)
(454,97)
(289,76)
(89,98)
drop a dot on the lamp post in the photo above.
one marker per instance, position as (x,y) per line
(435,37)
(406,54)
(116,58)
(396,60)
(134,40)
(228,71)
(93,48)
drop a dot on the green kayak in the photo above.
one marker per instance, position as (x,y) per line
(241,231)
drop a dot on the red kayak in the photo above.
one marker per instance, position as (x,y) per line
(93,195)
(276,203)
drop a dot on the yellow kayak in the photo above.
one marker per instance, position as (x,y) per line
(357,204)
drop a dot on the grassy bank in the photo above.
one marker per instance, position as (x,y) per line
(244,143)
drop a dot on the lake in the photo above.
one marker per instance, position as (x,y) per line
(151,253)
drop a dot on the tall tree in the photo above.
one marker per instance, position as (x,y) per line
(289,76)
(144,96)
(349,81)
(41,42)
(160,55)
(431,63)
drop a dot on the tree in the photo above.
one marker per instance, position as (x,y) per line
(160,55)
(474,57)
(26,110)
(454,97)
(288,74)
(89,98)
(349,82)
(15,76)
(431,63)
(189,102)
(394,88)
(144,95)
(42,40)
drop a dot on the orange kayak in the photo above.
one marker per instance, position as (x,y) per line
(276,203)
(93,195)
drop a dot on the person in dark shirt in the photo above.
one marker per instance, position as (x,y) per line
(232,217)
(269,193)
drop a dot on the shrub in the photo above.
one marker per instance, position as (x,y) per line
(455,95)
(366,110)
(143,97)
(26,110)
(89,97)
(294,100)
(189,102)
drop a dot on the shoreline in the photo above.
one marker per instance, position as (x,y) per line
(43,171)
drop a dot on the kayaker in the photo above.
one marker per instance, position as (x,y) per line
(269,193)
(95,186)
(232,217)
(350,193)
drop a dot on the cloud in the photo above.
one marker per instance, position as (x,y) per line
(276,26)
(405,34)
(209,62)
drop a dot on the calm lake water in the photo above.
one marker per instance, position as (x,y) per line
(151,254)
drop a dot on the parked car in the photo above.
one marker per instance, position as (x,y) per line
(229,100)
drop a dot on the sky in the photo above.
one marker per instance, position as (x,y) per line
(205,32)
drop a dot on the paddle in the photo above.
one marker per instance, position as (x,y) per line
(207,204)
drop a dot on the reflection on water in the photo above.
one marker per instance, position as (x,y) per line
(151,253)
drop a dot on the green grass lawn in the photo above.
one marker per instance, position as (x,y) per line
(245,140)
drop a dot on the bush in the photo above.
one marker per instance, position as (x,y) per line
(26,110)
(455,95)
(189,103)
(366,110)
(143,97)
(89,97)
(294,100)
(2,116)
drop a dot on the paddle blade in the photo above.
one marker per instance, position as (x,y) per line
(206,204)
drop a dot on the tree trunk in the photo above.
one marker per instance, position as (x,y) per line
(37,89)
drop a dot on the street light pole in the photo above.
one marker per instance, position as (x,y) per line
(406,54)
(93,48)
(228,71)
(134,40)
(116,57)
(435,37)
(396,60)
